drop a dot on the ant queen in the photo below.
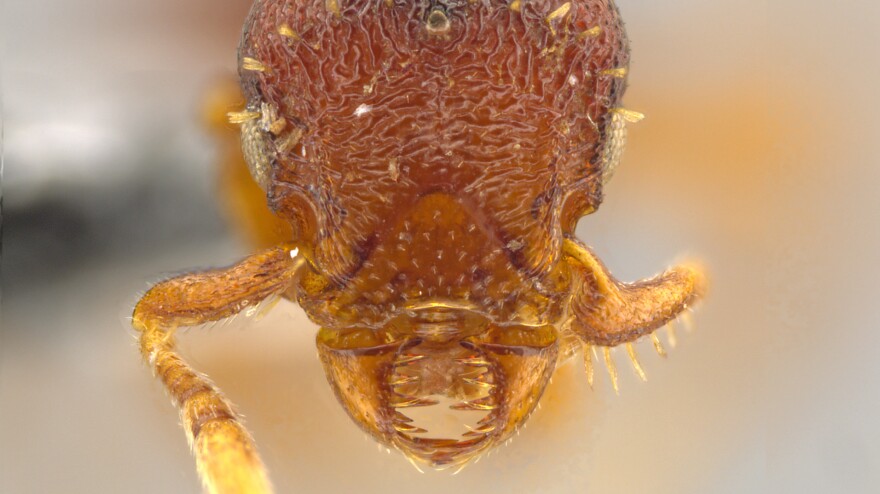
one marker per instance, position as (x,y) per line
(431,159)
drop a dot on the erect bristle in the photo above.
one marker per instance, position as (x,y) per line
(248,63)
(288,32)
(658,347)
(588,363)
(612,369)
(590,33)
(559,12)
(240,117)
(629,115)
(618,72)
(634,358)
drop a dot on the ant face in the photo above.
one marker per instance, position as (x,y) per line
(432,159)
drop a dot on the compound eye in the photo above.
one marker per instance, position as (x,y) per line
(616,140)
(257,152)
(260,128)
(265,136)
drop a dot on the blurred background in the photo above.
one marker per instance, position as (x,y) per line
(759,157)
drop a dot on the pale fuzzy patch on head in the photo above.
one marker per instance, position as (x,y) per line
(394,168)
(438,22)
(362,110)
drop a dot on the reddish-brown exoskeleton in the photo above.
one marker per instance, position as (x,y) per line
(432,158)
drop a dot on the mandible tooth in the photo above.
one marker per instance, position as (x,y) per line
(481,384)
(409,429)
(401,379)
(415,402)
(487,428)
(473,434)
(473,361)
(483,428)
(480,404)
(407,359)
